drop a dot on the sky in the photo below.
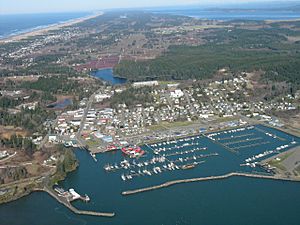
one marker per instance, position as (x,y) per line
(38,6)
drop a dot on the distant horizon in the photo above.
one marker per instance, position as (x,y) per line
(177,3)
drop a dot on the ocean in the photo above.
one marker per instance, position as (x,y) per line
(233,14)
(21,23)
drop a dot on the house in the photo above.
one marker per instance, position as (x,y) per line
(177,93)
(52,138)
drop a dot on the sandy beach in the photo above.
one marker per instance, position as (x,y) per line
(48,28)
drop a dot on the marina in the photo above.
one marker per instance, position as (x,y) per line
(247,147)
(188,161)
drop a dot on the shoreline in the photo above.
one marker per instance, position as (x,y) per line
(229,19)
(66,204)
(38,188)
(48,28)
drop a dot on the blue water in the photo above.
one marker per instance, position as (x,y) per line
(61,105)
(233,15)
(237,200)
(107,75)
(20,23)
(16,24)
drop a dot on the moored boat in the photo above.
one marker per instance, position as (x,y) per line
(188,166)
(133,151)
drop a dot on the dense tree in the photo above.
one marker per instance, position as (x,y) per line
(238,50)
(31,120)
(20,143)
(132,96)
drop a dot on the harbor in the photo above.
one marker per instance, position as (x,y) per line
(209,156)
(182,166)
(246,146)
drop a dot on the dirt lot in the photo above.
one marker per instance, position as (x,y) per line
(7,131)
(20,166)
(287,163)
(23,78)
(291,119)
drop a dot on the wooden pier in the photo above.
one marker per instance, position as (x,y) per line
(242,141)
(170,183)
(264,132)
(252,145)
(223,145)
(234,137)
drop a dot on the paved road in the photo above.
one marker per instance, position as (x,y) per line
(86,110)
(293,161)
(9,157)
(46,138)
(187,97)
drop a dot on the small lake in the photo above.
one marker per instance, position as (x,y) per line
(108,76)
(61,104)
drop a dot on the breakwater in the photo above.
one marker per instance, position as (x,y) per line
(73,209)
(170,183)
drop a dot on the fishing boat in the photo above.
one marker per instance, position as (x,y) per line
(188,166)
(108,167)
(123,177)
(133,151)
(94,156)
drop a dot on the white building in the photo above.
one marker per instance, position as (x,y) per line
(145,83)
(52,138)
(177,93)
(101,97)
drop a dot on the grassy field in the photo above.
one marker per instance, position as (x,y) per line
(167,125)
(226,119)
(93,142)
(298,170)
(7,131)
(278,163)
